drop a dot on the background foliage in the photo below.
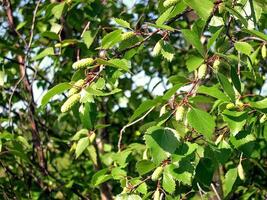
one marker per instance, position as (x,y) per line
(101,131)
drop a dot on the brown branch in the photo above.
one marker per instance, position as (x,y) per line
(24,78)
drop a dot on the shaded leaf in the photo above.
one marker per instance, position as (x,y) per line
(227,86)
(193,39)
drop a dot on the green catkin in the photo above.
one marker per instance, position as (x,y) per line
(70,102)
(156,195)
(157,48)
(76,87)
(240,172)
(202,71)
(157,173)
(168,3)
(127,35)
(263,51)
(83,63)
(179,113)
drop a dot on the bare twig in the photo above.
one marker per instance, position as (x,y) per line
(128,125)
(215,191)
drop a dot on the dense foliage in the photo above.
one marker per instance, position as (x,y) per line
(145,99)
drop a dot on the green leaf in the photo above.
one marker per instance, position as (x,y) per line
(229,181)
(46,52)
(144,107)
(122,23)
(182,172)
(203,8)
(100,177)
(204,172)
(214,37)
(171,91)
(50,35)
(81,146)
(168,182)
(58,9)
(117,63)
(201,121)
(97,92)
(256,33)
(58,89)
(262,104)
(167,51)
(118,173)
(111,39)
(92,153)
(235,79)
(87,115)
(243,47)
(213,91)
(2,78)
(78,134)
(164,16)
(121,157)
(227,86)
(142,188)
(162,142)
(193,62)
(144,166)
(125,196)
(238,15)
(162,26)
(244,141)
(192,38)
(235,120)
(88,38)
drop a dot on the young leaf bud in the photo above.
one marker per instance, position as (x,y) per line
(263,119)
(240,171)
(82,63)
(57,45)
(179,113)
(202,71)
(219,139)
(162,110)
(221,8)
(76,87)
(70,102)
(216,64)
(263,51)
(240,104)
(127,35)
(230,106)
(157,48)
(157,173)
(92,137)
(145,154)
(168,3)
(102,54)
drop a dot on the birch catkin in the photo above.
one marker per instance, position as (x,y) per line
(70,102)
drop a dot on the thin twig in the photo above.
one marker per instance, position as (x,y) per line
(128,125)
(85,28)
(26,55)
(215,191)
